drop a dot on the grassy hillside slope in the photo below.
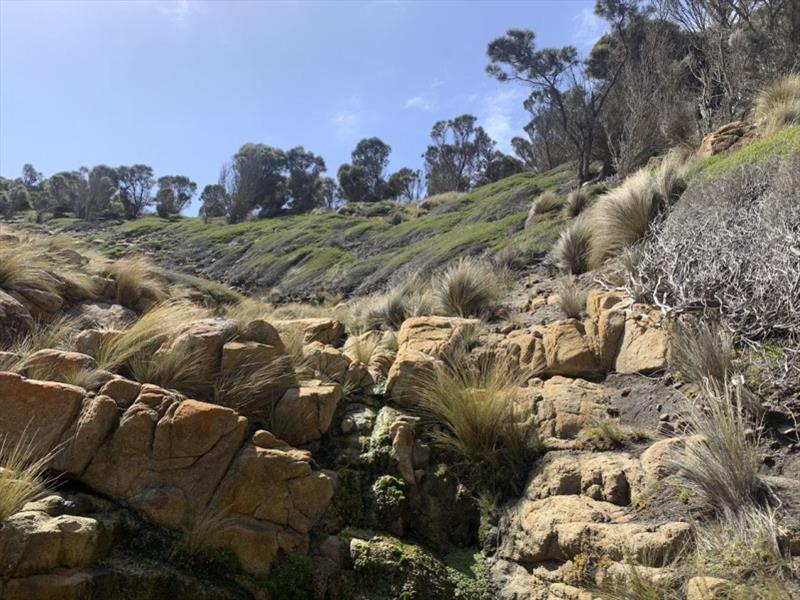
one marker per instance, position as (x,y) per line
(354,251)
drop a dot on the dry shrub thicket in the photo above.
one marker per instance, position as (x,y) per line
(731,247)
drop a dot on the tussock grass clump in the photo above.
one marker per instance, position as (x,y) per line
(635,584)
(474,405)
(389,310)
(604,434)
(623,216)
(57,334)
(722,469)
(571,297)
(181,369)
(144,336)
(778,105)
(23,267)
(570,254)
(741,546)
(248,309)
(702,350)
(253,390)
(138,280)
(577,201)
(362,347)
(22,468)
(546,202)
(203,529)
(468,288)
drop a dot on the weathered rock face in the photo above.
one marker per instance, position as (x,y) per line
(173,459)
(562,407)
(560,527)
(57,364)
(15,318)
(305,414)
(567,351)
(326,331)
(421,342)
(644,347)
(728,137)
(102,315)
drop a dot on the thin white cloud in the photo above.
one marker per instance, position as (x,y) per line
(349,119)
(346,123)
(588,29)
(177,11)
(420,102)
(502,116)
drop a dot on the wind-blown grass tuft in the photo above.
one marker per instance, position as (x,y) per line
(778,105)
(469,288)
(571,297)
(474,404)
(570,254)
(722,468)
(22,468)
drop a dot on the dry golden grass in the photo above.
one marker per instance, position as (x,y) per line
(145,335)
(723,469)
(203,528)
(702,350)
(474,406)
(570,253)
(741,546)
(622,216)
(546,202)
(571,297)
(57,334)
(468,288)
(362,347)
(138,280)
(249,309)
(181,369)
(22,473)
(389,310)
(577,201)
(253,390)
(25,267)
(778,105)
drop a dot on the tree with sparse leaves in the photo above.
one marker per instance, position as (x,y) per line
(304,184)
(174,193)
(135,185)
(405,185)
(458,155)
(560,82)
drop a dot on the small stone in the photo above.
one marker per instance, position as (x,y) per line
(659,407)
(664,417)
(347,425)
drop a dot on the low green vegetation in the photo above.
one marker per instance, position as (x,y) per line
(351,251)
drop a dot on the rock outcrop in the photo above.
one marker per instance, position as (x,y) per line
(173,459)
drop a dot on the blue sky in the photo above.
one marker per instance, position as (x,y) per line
(180,85)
